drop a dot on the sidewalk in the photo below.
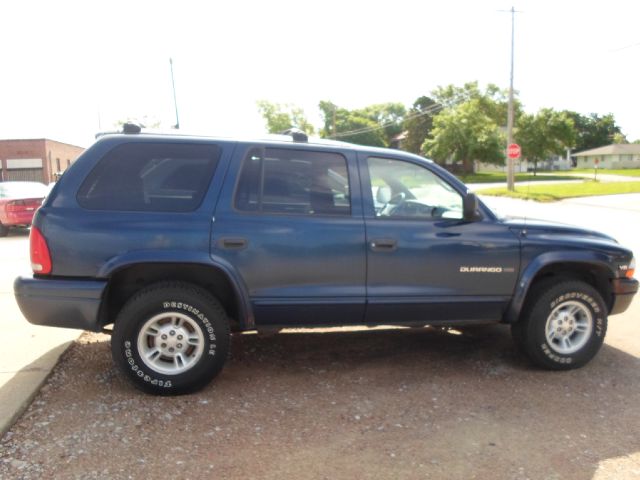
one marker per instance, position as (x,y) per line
(601,177)
(579,177)
(29,352)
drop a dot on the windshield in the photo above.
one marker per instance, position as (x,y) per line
(22,190)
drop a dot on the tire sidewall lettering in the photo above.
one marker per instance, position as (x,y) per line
(142,374)
(599,319)
(208,326)
(148,375)
(162,302)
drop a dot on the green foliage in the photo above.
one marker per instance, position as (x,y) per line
(464,133)
(279,117)
(493,101)
(499,177)
(418,124)
(593,131)
(625,172)
(619,138)
(363,126)
(552,193)
(390,116)
(544,134)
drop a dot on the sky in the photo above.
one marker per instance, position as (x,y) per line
(71,69)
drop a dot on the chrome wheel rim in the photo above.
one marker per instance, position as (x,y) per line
(569,327)
(170,343)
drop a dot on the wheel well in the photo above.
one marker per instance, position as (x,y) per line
(126,282)
(597,277)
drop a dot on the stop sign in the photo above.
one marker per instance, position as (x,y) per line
(513,151)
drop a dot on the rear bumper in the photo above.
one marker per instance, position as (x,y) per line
(623,290)
(19,218)
(60,303)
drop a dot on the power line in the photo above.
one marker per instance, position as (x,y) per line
(427,111)
(625,47)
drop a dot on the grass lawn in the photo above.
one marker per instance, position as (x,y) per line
(552,193)
(629,172)
(502,177)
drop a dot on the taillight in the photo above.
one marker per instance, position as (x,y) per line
(40,257)
(23,205)
(15,206)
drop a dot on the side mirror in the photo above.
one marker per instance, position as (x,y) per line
(470,207)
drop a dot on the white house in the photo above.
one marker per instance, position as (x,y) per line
(616,156)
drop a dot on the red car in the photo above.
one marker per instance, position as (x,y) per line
(18,203)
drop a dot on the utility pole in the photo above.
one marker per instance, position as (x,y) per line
(334,121)
(175,102)
(510,173)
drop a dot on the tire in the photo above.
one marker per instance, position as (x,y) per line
(4,231)
(147,344)
(563,325)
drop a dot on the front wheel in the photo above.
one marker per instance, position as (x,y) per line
(171,338)
(563,326)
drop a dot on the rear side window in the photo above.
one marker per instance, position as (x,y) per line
(293,182)
(152,177)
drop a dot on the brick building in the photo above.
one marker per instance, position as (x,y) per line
(36,160)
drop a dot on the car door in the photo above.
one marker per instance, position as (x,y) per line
(290,222)
(425,263)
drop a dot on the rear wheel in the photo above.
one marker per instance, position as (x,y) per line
(4,231)
(171,338)
(563,325)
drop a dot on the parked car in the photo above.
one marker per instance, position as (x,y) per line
(176,241)
(18,203)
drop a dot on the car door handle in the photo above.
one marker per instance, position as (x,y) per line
(447,234)
(384,245)
(233,243)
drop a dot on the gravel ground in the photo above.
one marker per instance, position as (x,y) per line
(385,404)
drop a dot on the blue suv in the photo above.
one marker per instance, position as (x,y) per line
(177,241)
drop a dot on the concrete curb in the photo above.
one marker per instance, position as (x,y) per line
(18,391)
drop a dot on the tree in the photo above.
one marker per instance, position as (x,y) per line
(281,117)
(465,133)
(355,126)
(492,101)
(389,116)
(418,123)
(544,134)
(620,138)
(593,131)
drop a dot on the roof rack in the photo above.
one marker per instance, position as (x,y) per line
(131,128)
(296,134)
(128,128)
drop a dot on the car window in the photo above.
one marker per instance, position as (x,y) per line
(150,177)
(293,182)
(404,189)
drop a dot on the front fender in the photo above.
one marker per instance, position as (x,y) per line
(140,257)
(590,258)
